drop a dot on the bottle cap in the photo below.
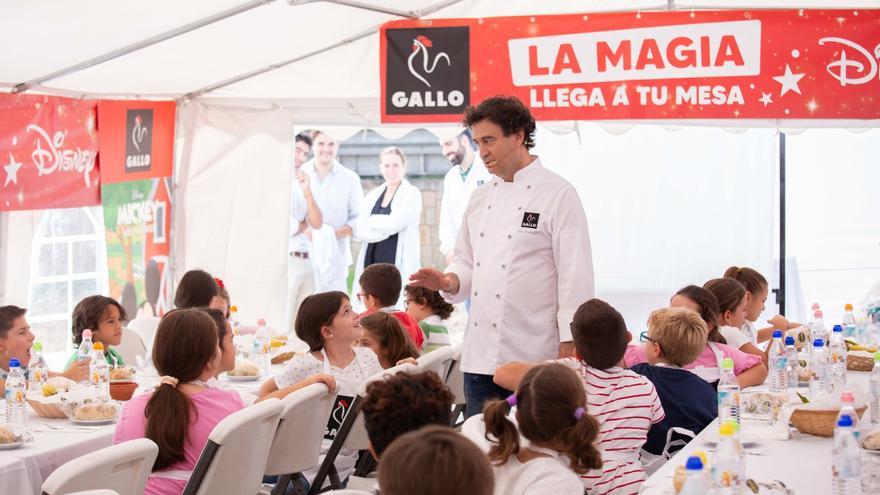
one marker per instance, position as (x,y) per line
(818,343)
(261,322)
(789,340)
(848,307)
(727,364)
(847,396)
(727,429)
(38,346)
(694,463)
(98,346)
(837,328)
(844,421)
(87,334)
(14,363)
(777,334)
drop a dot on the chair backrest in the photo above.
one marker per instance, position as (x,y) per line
(122,468)
(131,346)
(243,436)
(455,378)
(146,326)
(95,492)
(349,492)
(357,439)
(437,361)
(297,442)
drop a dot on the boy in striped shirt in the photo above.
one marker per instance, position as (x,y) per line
(624,402)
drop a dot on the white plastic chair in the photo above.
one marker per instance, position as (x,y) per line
(352,434)
(349,492)
(297,442)
(95,492)
(122,468)
(437,361)
(131,346)
(652,462)
(455,381)
(234,458)
(146,326)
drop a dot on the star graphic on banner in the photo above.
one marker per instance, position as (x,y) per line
(789,81)
(765,98)
(11,171)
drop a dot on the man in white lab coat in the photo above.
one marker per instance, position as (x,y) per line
(466,175)
(523,254)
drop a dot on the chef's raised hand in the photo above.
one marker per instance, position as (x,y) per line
(432,279)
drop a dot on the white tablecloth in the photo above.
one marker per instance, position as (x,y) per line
(803,462)
(23,470)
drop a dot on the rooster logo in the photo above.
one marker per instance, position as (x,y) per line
(138,133)
(420,47)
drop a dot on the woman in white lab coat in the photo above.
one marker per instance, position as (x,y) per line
(388,224)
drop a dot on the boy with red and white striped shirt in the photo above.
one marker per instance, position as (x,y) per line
(624,402)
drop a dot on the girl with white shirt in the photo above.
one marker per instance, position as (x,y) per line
(732,302)
(757,290)
(551,415)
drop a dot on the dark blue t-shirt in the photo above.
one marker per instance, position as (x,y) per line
(688,401)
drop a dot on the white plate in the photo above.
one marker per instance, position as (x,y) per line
(94,422)
(745,439)
(10,446)
(251,378)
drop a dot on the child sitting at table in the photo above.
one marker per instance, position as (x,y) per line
(624,402)
(676,336)
(380,290)
(221,301)
(384,334)
(551,413)
(16,341)
(184,408)
(430,309)
(434,460)
(105,317)
(749,369)
(326,323)
(757,290)
(731,297)
(197,289)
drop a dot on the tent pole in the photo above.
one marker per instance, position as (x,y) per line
(105,57)
(372,8)
(780,292)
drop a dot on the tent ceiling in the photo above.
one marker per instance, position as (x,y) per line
(40,37)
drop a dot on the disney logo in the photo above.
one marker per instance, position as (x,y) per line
(852,71)
(55,157)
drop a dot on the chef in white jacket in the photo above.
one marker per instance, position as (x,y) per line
(523,254)
(388,223)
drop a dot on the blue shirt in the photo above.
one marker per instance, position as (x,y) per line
(688,400)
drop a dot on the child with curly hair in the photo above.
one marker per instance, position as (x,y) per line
(430,309)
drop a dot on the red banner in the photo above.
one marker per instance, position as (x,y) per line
(137,139)
(732,64)
(48,150)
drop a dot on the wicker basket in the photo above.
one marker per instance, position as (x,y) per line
(817,422)
(47,410)
(857,362)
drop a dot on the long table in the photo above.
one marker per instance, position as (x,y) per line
(56,441)
(802,463)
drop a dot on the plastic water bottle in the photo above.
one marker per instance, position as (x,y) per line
(778,360)
(837,359)
(817,329)
(728,394)
(262,348)
(846,462)
(695,481)
(805,358)
(871,332)
(848,408)
(792,364)
(849,322)
(99,371)
(729,464)
(818,368)
(875,391)
(16,391)
(38,370)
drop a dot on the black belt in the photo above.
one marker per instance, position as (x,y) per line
(300,254)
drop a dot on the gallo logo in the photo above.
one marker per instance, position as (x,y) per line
(138,140)
(427,71)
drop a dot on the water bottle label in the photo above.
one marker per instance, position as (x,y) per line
(37,375)
(728,479)
(781,363)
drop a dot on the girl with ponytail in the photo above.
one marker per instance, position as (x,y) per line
(184,408)
(551,413)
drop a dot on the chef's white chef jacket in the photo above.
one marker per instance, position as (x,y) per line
(523,257)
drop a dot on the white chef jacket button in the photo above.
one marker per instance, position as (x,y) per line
(481,234)
(495,184)
(528,187)
(490,207)
(494,325)
(497,296)
(475,324)
(503,267)
(475,293)
(519,208)
(478,263)
(508,236)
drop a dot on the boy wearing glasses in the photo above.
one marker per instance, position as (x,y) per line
(380,291)
(675,338)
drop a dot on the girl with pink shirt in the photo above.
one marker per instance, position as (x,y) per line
(749,369)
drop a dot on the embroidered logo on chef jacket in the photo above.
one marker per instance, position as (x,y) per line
(530,220)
